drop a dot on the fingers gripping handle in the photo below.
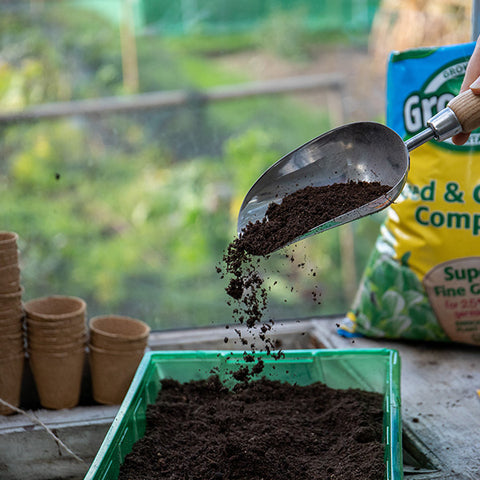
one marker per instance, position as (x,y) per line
(466,107)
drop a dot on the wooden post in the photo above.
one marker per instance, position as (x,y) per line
(128,48)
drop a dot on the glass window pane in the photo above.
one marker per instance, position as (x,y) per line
(132,210)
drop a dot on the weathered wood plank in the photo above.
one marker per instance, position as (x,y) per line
(28,452)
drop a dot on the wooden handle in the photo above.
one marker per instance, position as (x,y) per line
(466,107)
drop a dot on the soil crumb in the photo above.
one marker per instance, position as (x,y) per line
(259,430)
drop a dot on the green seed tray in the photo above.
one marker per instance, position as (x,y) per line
(376,370)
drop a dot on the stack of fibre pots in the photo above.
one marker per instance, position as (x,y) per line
(57,338)
(117,344)
(12,347)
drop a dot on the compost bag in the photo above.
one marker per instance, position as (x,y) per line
(422,280)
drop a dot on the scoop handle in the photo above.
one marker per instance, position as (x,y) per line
(466,107)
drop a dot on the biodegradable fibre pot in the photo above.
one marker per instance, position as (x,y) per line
(46,327)
(106,343)
(11,300)
(15,347)
(59,347)
(58,377)
(11,373)
(56,308)
(56,338)
(112,373)
(10,329)
(10,275)
(9,287)
(11,320)
(8,241)
(118,332)
(58,323)
(8,337)
(65,327)
(9,257)
(12,325)
(11,313)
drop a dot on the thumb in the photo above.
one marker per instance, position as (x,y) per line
(475,86)
(460,138)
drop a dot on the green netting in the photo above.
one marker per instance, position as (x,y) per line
(228,16)
(233,16)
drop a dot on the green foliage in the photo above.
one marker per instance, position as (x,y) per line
(248,155)
(284,34)
(207,45)
(52,55)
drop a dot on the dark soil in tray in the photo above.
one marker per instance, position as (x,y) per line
(261,430)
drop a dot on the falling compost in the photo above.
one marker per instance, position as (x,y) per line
(285,221)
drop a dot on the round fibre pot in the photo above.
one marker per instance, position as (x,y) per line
(12,344)
(11,373)
(8,313)
(58,377)
(56,347)
(6,323)
(60,337)
(8,241)
(9,279)
(57,328)
(11,300)
(118,332)
(55,308)
(9,257)
(112,373)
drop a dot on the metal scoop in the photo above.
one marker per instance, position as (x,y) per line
(363,151)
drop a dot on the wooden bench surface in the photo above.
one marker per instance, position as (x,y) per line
(440,403)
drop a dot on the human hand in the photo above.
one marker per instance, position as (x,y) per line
(472,81)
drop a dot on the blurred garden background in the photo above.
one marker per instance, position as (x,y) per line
(132,208)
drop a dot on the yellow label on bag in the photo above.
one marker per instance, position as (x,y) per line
(438,213)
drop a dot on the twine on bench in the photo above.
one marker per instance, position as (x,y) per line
(36,420)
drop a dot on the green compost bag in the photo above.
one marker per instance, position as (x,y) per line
(422,280)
